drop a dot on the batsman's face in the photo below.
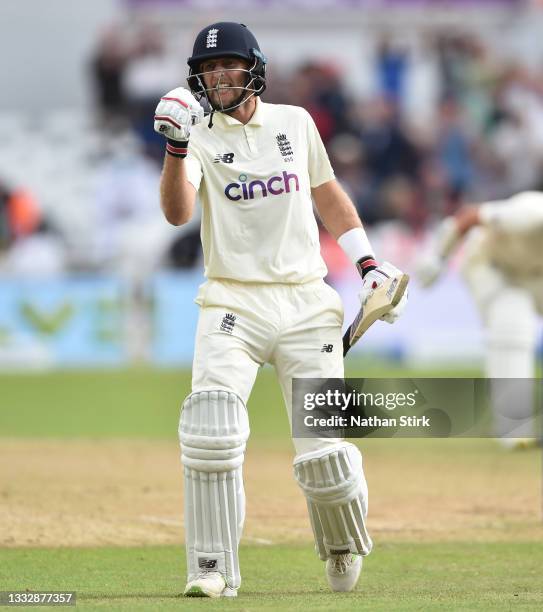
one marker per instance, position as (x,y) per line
(222,75)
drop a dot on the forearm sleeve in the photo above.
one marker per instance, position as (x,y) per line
(521,213)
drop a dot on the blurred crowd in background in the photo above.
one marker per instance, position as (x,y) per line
(447,122)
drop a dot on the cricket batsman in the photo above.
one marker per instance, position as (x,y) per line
(503,268)
(256,167)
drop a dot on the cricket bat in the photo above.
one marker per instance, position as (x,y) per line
(382,300)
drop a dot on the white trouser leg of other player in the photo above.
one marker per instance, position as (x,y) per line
(510,322)
(241,327)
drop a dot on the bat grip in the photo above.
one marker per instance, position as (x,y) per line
(346,342)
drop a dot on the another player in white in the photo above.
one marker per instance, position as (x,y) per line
(503,268)
(256,167)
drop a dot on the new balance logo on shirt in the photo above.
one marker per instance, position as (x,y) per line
(327,348)
(225,158)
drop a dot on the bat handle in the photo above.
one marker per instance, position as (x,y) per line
(346,341)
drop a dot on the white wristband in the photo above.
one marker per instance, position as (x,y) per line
(355,244)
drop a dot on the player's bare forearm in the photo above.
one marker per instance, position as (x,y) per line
(177,194)
(335,208)
(466,218)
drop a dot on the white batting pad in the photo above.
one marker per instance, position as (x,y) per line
(213,430)
(337,499)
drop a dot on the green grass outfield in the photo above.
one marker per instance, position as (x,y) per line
(396,577)
(138,403)
(142,403)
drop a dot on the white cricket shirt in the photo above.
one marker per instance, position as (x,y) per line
(514,237)
(254,183)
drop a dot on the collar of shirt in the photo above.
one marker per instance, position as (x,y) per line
(255,121)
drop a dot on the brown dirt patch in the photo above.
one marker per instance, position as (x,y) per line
(88,493)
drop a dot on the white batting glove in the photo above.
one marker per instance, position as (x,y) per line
(175,115)
(374,276)
(430,265)
(428,269)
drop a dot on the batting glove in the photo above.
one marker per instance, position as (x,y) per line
(175,115)
(428,268)
(374,276)
(430,265)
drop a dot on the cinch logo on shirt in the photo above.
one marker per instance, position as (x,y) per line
(275,185)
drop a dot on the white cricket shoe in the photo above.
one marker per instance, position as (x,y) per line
(343,571)
(209,584)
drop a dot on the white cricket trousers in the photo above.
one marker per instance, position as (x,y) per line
(297,329)
(294,327)
(509,309)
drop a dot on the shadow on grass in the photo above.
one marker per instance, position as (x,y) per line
(242,595)
(114,596)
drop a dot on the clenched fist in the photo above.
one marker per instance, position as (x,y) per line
(175,115)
